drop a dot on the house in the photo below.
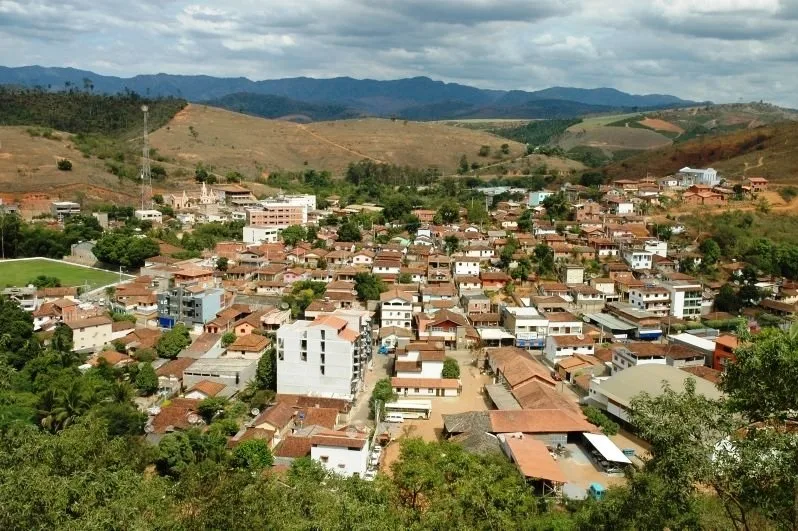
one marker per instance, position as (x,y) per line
(466,265)
(392,337)
(757,184)
(620,206)
(724,351)
(475,302)
(91,333)
(450,327)
(553,427)
(170,375)
(558,347)
(233,373)
(425,386)
(205,389)
(468,284)
(570,367)
(615,393)
(396,308)
(587,298)
(638,259)
(251,346)
(179,414)
(343,452)
(535,462)
(278,419)
(572,274)
(494,280)
(703,198)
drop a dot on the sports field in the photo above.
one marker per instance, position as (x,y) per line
(21,272)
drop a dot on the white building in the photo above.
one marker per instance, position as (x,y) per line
(537,198)
(396,309)
(558,347)
(466,266)
(657,247)
(253,234)
(421,360)
(637,354)
(638,260)
(689,176)
(154,216)
(324,357)
(527,325)
(62,209)
(90,334)
(653,299)
(686,298)
(573,274)
(343,452)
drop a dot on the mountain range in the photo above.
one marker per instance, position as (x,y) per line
(417,98)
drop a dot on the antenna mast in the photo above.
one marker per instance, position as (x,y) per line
(146,174)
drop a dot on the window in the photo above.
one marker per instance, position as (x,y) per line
(324,458)
(418,390)
(321,369)
(341,466)
(303,356)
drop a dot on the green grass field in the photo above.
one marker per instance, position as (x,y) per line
(19,273)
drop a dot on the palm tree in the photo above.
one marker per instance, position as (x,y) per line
(121,392)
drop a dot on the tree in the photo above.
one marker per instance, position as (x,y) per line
(252,455)
(383,393)
(119,248)
(451,369)
(211,407)
(451,244)
(369,286)
(449,212)
(61,341)
(711,252)
(505,148)
(173,341)
(557,206)
(477,213)
(146,379)
(222,263)
(349,232)
(397,207)
(595,416)
(64,164)
(266,372)
(201,174)
(484,151)
(44,281)
(522,270)
(544,256)
(727,300)
(17,342)
(405,278)
(462,165)
(293,235)
(525,221)
(228,338)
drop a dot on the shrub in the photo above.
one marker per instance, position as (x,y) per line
(597,417)
(451,369)
(64,164)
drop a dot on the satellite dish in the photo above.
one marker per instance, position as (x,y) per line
(194,419)
(284,306)
(254,412)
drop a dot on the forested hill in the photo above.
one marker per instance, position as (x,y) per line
(82,111)
(268,106)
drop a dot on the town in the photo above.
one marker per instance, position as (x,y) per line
(335,334)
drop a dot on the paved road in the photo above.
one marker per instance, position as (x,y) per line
(378,371)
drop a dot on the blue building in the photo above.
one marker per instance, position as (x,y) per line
(190,305)
(537,198)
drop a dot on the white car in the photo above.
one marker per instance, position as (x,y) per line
(395,417)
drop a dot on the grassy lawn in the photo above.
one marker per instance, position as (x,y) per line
(22,272)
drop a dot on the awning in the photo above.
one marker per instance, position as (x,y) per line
(494,334)
(607,448)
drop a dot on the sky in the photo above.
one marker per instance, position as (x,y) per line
(718,50)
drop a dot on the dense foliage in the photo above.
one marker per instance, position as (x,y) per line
(538,132)
(81,111)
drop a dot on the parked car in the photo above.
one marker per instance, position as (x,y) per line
(596,491)
(394,417)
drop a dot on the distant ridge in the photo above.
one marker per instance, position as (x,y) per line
(419,98)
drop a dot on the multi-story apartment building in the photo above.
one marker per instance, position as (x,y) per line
(466,265)
(396,309)
(326,357)
(277,215)
(653,299)
(190,305)
(686,298)
(62,209)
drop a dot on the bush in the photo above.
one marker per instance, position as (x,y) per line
(597,417)
(64,164)
(451,369)
(788,193)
